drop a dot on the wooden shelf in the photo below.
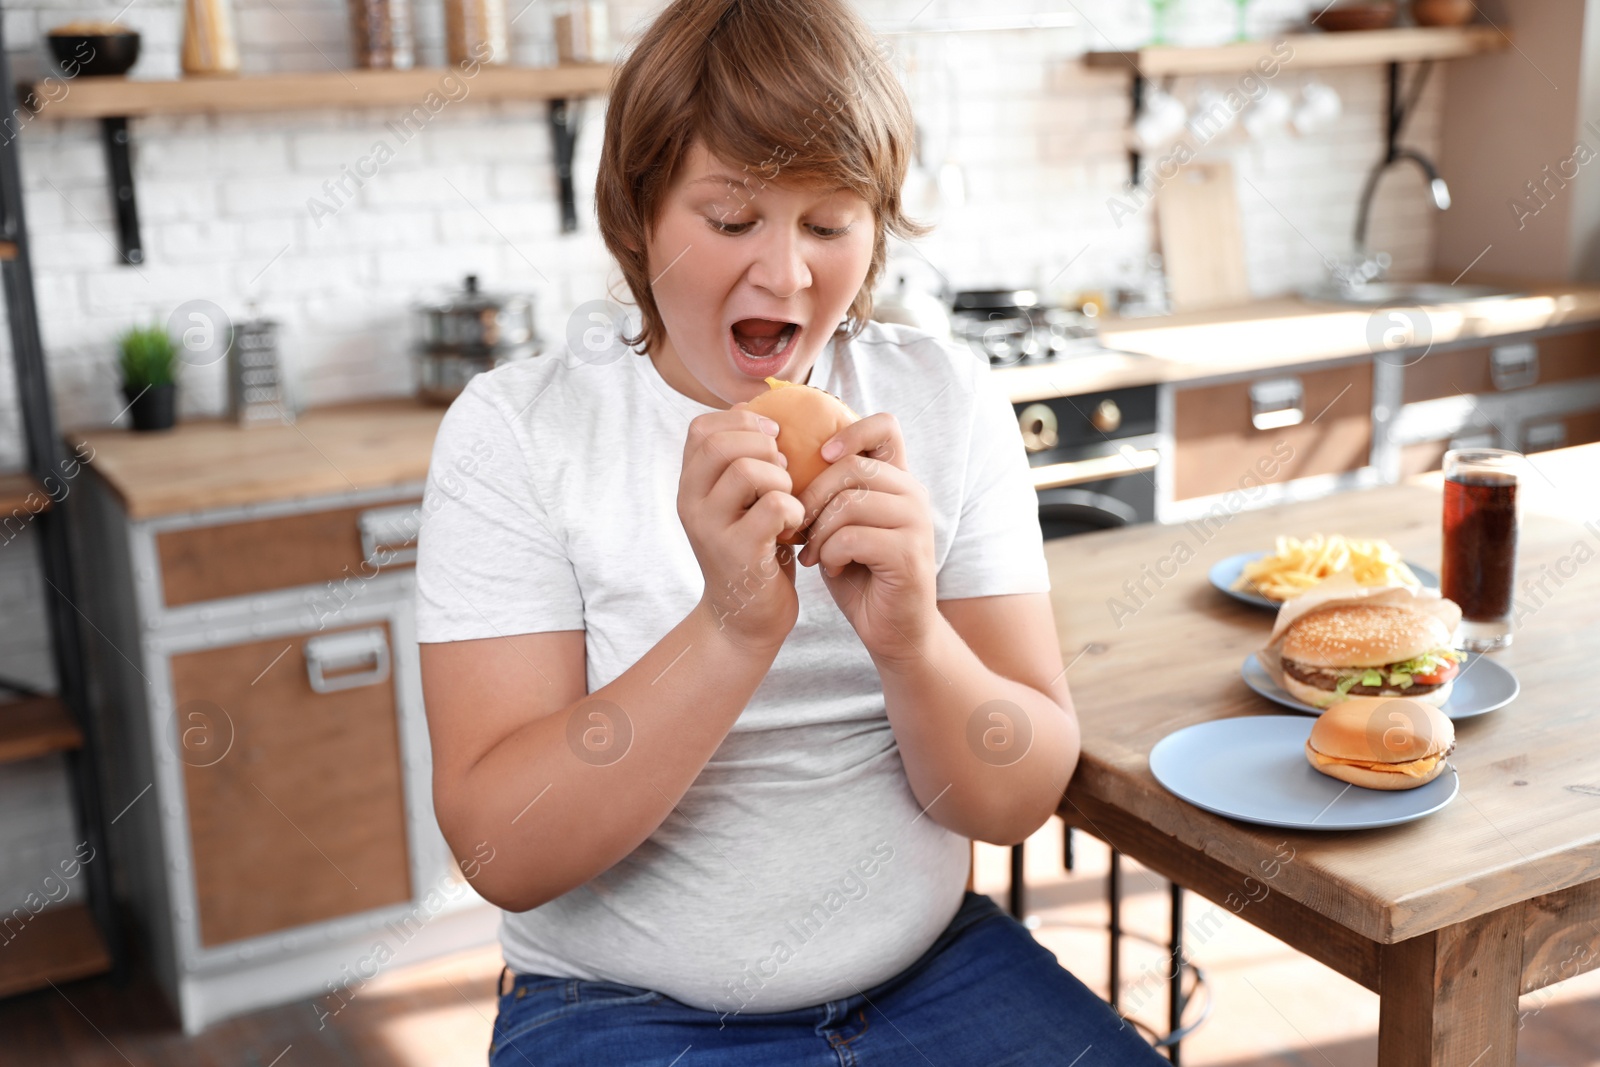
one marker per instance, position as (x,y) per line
(36,726)
(1310,50)
(57,945)
(15,489)
(105,97)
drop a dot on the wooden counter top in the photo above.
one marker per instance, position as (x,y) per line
(212,463)
(1280,332)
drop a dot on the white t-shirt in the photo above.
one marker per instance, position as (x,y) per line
(799,867)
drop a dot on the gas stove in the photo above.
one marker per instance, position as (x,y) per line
(1012,326)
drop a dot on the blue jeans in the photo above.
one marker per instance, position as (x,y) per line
(986,994)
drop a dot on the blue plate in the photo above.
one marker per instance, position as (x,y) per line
(1482,686)
(1226,571)
(1254,768)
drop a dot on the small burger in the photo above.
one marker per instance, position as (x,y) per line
(806,418)
(1381,743)
(1346,650)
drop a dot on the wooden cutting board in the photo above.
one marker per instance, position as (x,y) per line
(1202,241)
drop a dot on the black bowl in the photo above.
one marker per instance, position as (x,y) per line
(94,54)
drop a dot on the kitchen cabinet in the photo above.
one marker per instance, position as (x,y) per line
(1273,433)
(1505,365)
(256,674)
(286,836)
(1528,392)
(203,562)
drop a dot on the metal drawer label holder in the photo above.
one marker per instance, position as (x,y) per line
(333,661)
(391,531)
(1514,366)
(1276,403)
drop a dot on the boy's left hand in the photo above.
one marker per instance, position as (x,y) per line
(872,532)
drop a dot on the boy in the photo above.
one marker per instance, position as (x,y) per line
(729,790)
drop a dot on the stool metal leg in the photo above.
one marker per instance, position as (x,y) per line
(1114,901)
(1018,897)
(1175,997)
(1178,1000)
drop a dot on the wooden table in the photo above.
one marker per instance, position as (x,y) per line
(1449,918)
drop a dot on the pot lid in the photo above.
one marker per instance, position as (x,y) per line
(994,299)
(471,299)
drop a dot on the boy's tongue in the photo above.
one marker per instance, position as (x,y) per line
(760,337)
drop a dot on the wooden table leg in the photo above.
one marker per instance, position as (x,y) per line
(1449,998)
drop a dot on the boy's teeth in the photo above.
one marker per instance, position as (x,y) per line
(766,346)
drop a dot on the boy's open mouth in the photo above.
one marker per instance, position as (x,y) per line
(764,338)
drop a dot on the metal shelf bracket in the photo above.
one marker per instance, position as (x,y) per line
(565,118)
(119,169)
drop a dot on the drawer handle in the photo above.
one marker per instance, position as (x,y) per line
(1514,366)
(1127,460)
(1276,403)
(390,530)
(334,661)
(1545,435)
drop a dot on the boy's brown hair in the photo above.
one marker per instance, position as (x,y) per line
(790,90)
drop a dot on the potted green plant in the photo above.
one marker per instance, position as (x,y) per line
(149,365)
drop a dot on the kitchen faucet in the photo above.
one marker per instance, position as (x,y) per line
(1368,266)
(1436,186)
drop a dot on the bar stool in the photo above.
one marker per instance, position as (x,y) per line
(1178,999)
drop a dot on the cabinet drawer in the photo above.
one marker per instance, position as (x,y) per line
(257,555)
(1560,358)
(1240,430)
(1561,431)
(295,794)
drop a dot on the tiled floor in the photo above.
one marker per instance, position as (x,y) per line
(1271,1006)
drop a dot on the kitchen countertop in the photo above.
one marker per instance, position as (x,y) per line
(203,464)
(1280,332)
(211,463)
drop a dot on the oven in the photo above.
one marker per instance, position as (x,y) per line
(1094,458)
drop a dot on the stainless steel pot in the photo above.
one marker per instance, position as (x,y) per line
(468,332)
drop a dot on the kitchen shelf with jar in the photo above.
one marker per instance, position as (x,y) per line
(122,97)
(1423,44)
(114,100)
(1310,50)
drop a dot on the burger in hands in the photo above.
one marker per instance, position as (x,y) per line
(807,417)
(1381,743)
(1374,650)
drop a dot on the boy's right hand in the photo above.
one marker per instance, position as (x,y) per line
(734,502)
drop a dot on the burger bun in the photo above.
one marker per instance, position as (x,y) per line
(807,417)
(1362,635)
(1381,742)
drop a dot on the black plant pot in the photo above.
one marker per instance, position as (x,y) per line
(154,407)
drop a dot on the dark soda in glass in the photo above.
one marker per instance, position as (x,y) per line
(1480,543)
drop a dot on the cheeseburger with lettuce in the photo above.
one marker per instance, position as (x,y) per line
(1341,651)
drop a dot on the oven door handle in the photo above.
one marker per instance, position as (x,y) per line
(1126,460)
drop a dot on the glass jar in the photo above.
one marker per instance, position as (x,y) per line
(210,45)
(475,32)
(380,34)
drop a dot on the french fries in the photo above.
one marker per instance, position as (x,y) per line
(1298,565)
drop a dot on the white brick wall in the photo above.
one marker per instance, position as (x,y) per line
(223,201)
(1041,141)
